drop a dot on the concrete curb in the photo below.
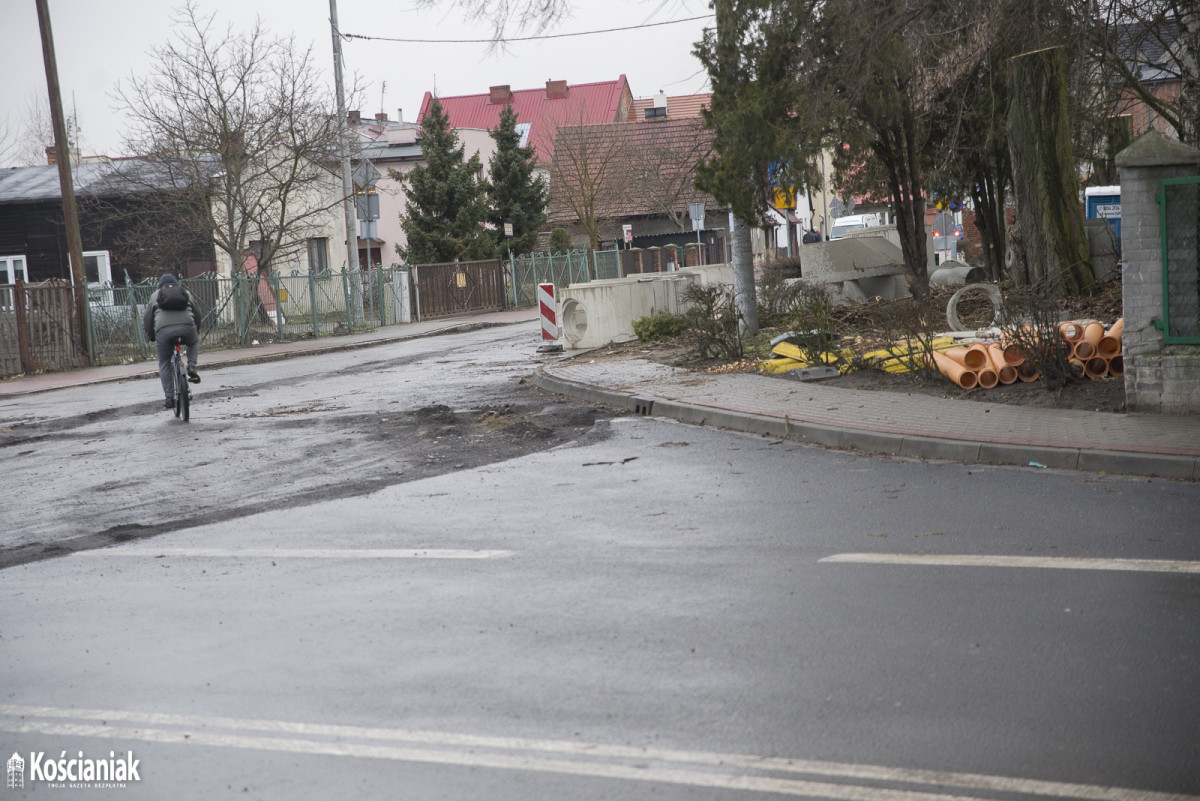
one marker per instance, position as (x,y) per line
(919,447)
(267,357)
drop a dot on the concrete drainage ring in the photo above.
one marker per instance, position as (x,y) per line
(990,291)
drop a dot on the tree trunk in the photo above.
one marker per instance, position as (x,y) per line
(1050,219)
(989,219)
(743,277)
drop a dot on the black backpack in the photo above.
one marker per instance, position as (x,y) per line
(172,297)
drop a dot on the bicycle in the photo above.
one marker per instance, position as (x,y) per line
(183,393)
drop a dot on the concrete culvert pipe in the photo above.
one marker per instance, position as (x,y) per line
(992,293)
(955,273)
(574,321)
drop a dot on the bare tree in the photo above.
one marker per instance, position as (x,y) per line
(507,15)
(1151,46)
(663,157)
(238,133)
(9,144)
(591,176)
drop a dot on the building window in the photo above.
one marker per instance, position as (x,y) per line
(318,255)
(13,268)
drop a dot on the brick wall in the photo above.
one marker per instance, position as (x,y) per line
(1158,378)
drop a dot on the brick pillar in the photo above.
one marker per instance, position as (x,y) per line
(1158,377)
(670,256)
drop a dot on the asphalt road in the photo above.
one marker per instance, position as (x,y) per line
(587,607)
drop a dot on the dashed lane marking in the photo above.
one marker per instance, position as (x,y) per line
(1055,562)
(594,760)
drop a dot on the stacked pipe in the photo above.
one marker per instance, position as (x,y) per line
(1095,352)
(984,365)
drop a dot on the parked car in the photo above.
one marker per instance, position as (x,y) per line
(843,225)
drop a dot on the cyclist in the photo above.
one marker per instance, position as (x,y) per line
(172,312)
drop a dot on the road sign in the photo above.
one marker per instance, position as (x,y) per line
(508,229)
(696,212)
(366,205)
(365,175)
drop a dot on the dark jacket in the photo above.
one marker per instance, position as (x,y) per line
(154,318)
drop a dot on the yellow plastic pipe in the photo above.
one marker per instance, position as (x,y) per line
(954,371)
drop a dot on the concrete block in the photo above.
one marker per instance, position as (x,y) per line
(1155,464)
(1003,453)
(936,448)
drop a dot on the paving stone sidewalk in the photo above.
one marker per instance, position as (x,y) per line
(891,422)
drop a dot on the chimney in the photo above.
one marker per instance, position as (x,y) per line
(355,117)
(381,117)
(657,111)
(556,89)
(500,94)
(52,155)
(400,115)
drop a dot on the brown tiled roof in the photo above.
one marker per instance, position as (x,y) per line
(651,169)
(678,107)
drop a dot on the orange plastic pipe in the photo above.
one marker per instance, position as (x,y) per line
(1086,348)
(954,371)
(970,358)
(987,377)
(1095,367)
(1110,343)
(1027,372)
(1005,371)
(1116,365)
(1071,331)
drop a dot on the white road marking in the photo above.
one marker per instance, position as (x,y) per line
(296,553)
(532,755)
(1057,562)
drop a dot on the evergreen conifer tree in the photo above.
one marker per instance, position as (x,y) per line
(446,200)
(516,193)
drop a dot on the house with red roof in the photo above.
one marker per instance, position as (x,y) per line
(539,111)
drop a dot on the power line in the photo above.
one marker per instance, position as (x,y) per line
(521,38)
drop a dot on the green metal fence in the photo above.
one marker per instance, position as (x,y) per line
(1179,201)
(560,269)
(249,309)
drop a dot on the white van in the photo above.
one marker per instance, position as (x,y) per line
(843,225)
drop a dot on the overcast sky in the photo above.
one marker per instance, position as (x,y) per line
(101,43)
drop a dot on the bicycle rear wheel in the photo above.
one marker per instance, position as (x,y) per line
(175,372)
(183,395)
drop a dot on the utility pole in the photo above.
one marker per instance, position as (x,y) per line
(62,150)
(347,181)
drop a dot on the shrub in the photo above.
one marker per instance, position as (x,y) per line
(713,322)
(663,325)
(560,240)
(1029,320)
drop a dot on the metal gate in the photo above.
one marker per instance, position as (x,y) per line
(457,287)
(38,329)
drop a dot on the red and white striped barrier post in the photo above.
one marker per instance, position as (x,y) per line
(549,315)
(549,312)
